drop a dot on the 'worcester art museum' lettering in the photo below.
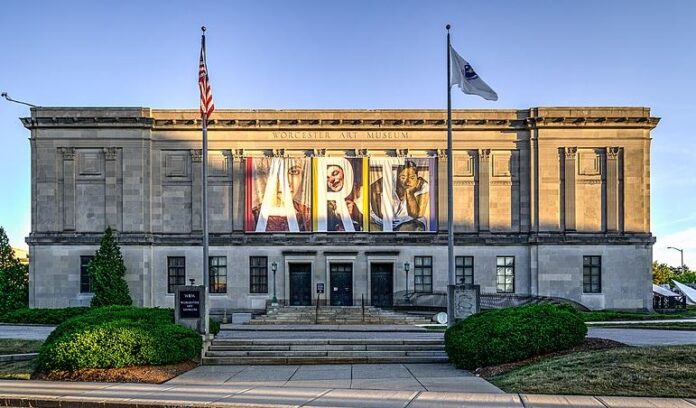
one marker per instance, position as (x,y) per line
(548,202)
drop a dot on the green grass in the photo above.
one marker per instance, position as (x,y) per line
(12,346)
(655,325)
(16,370)
(609,315)
(627,371)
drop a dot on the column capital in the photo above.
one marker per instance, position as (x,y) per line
(484,154)
(571,152)
(68,153)
(196,155)
(613,152)
(110,153)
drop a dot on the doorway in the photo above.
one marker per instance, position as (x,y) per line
(382,284)
(341,284)
(300,284)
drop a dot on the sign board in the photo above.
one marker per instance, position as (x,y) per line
(189,304)
(320,287)
(466,300)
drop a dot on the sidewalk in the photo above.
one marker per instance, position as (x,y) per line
(100,395)
(630,322)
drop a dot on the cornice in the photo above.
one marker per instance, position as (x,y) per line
(406,120)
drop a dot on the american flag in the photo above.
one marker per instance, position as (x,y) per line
(207,105)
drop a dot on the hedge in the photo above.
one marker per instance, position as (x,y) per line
(118,336)
(43,316)
(513,334)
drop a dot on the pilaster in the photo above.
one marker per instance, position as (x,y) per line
(484,182)
(442,190)
(238,189)
(613,204)
(569,188)
(196,190)
(68,188)
(112,190)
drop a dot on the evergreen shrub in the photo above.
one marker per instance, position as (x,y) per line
(118,336)
(512,334)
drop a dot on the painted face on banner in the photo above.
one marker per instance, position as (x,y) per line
(400,194)
(339,201)
(280,195)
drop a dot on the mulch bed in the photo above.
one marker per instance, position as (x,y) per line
(139,374)
(590,344)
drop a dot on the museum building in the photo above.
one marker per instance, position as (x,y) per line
(547,202)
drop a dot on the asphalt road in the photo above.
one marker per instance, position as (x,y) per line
(645,337)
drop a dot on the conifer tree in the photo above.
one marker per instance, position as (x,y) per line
(107,272)
(14,278)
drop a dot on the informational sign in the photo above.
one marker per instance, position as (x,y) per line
(320,288)
(189,305)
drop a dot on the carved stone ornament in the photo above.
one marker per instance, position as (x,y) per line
(278,152)
(402,152)
(239,153)
(571,152)
(68,153)
(441,153)
(110,153)
(613,152)
(196,155)
(484,154)
(361,153)
(319,152)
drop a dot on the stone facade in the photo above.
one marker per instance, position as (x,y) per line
(547,186)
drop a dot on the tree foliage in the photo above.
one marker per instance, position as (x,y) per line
(108,272)
(664,274)
(14,278)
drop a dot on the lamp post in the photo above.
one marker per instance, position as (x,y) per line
(681,251)
(407,266)
(6,96)
(274,268)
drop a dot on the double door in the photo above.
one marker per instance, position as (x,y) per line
(382,284)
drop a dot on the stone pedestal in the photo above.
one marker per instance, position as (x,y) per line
(466,300)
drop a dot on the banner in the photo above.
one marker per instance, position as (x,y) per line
(278,194)
(340,201)
(339,194)
(402,194)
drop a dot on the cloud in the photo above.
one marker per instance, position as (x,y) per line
(685,239)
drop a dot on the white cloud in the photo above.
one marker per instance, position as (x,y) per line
(685,240)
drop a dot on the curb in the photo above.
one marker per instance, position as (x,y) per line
(29,324)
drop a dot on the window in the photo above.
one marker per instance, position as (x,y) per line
(464,267)
(217,268)
(85,278)
(423,274)
(258,274)
(176,272)
(505,274)
(592,274)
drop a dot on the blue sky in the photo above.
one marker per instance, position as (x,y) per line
(358,54)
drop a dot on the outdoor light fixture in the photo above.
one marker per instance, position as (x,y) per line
(274,268)
(6,96)
(682,254)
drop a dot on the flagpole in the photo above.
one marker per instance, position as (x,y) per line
(450,199)
(206,272)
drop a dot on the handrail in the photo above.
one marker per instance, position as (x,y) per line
(316,315)
(362,303)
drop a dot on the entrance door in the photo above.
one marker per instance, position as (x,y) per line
(341,284)
(300,284)
(382,284)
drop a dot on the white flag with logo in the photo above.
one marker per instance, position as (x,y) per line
(467,79)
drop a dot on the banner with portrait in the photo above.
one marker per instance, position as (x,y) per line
(340,202)
(278,194)
(402,194)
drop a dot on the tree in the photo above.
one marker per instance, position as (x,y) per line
(661,272)
(108,272)
(14,278)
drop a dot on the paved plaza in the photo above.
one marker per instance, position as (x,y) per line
(393,377)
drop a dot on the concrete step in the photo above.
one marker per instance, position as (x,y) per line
(282,342)
(329,347)
(312,354)
(322,360)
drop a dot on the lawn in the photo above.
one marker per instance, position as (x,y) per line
(629,371)
(654,325)
(609,315)
(16,370)
(12,346)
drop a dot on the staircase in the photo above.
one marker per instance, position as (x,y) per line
(324,351)
(336,315)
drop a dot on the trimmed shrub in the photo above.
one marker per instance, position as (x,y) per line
(214,326)
(118,336)
(43,316)
(513,334)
